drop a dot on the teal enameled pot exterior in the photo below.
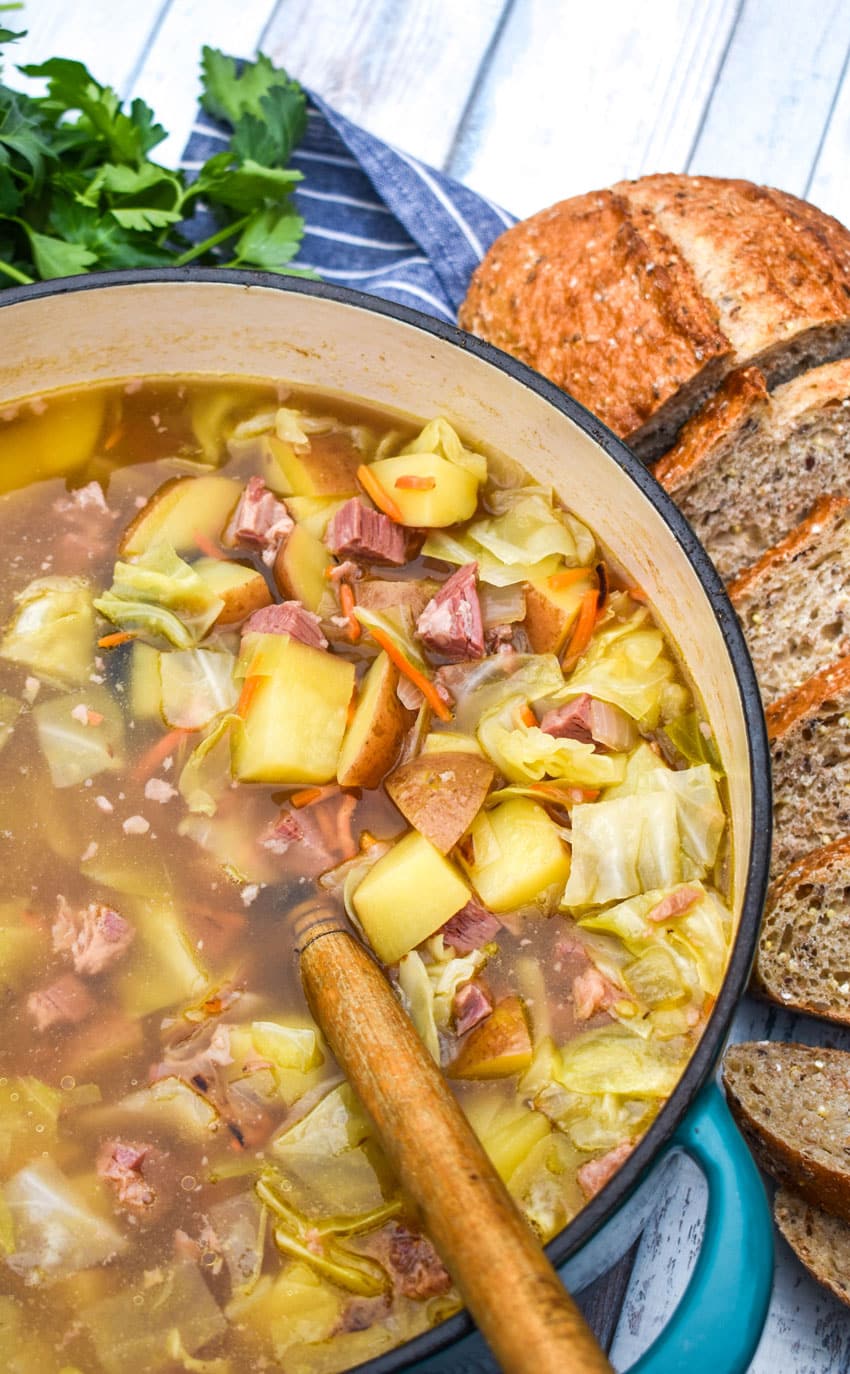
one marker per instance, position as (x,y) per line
(188,321)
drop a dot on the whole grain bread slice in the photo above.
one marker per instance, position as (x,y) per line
(820,1242)
(750,464)
(810,756)
(794,603)
(639,299)
(792,1105)
(803,957)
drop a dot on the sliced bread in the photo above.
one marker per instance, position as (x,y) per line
(639,299)
(821,1242)
(750,465)
(794,603)
(803,958)
(810,754)
(792,1104)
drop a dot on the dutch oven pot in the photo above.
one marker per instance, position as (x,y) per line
(118,325)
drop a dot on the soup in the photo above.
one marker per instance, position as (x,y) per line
(259,643)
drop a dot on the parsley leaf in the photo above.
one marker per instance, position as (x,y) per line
(79,190)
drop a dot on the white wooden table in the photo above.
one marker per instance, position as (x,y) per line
(529,101)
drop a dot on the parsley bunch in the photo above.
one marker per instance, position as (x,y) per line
(79,190)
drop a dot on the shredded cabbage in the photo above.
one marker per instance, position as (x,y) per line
(666,831)
(56,1231)
(612,1060)
(693,742)
(595,1121)
(131,1337)
(626,664)
(207,774)
(501,679)
(197,686)
(440,438)
(161,595)
(526,753)
(80,735)
(528,540)
(419,999)
(336,1124)
(52,632)
(398,625)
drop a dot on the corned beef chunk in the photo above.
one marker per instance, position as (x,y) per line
(64,1003)
(120,1164)
(470,1006)
(260,521)
(470,928)
(94,938)
(593,1176)
(451,622)
(591,721)
(358,532)
(289,618)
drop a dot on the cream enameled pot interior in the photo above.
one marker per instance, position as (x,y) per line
(254,331)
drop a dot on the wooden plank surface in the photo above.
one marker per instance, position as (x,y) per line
(167,76)
(576,96)
(529,101)
(782,69)
(403,70)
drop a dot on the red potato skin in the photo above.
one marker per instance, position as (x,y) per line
(441,794)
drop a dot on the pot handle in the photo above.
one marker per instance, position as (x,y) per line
(719,1320)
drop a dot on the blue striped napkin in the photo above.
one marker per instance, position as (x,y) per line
(376,218)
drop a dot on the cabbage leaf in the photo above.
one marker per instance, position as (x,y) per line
(80,735)
(418,995)
(162,596)
(626,664)
(612,1060)
(528,540)
(441,438)
(56,1230)
(524,753)
(53,631)
(197,686)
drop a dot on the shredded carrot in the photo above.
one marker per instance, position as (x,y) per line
(637,594)
(559,581)
(207,546)
(526,716)
(346,601)
(426,687)
(307,796)
(410,482)
(580,637)
(352,710)
(379,495)
(120,637)
(93,717)
(112,439)
(153,757)
(329,571)
(246,696)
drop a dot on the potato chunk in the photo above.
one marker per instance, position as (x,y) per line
(375,734)
(295,719)
(517,854)
(409,894)
(498,1047)
(452,497)
(299,568)
(242,589)
(327,468)
(550,611)
(441,794)
(181,509)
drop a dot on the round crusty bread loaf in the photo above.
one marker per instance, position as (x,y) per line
(750,464)
(821,1242)
(803,959)
(792,1104)
(639,299)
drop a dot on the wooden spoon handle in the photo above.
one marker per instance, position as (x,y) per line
(529,1320)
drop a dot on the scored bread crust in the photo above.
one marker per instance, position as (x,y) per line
(639,299)
(741,400)
(792,1144)
(803,935)
(611,314)
(821,1242)
(826,509)
(803,702)
(750,464)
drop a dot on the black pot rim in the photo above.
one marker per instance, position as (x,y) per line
(601,1208)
